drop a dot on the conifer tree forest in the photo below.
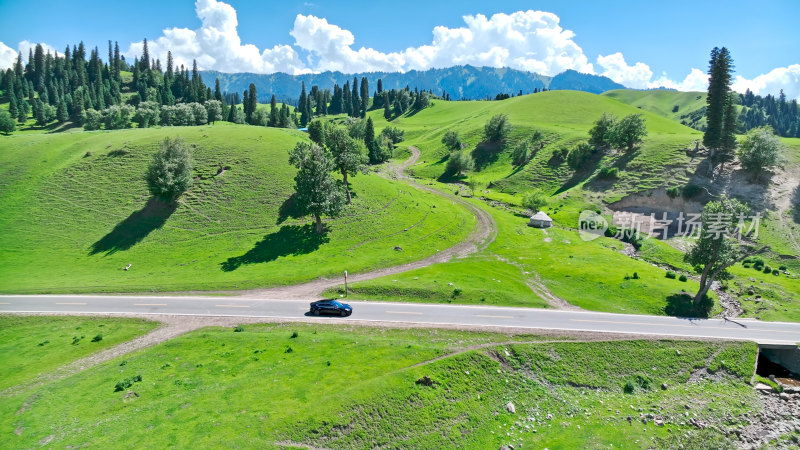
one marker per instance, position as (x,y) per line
(78,86)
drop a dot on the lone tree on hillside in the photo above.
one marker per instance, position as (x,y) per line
(497,128)
(535,200)
(317,191)
(629,131)
(720,112)
(459,163)
(349,154)
(451,141)
(718,246)
(7,123)
(601,136)
(760,150)
(170,173)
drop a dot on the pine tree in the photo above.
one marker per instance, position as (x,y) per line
(387,109)
(303,106)
(217,90)
(364,96)
(252,103)
(356,107)
(727,146)
(232,113)
(273,112)
(720,68)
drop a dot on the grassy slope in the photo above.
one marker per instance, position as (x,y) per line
(565,117)
(590,275)
(75,211)
(217,388)
(30,346)
(662,102)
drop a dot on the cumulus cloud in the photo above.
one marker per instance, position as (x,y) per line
(527,40)
(786,78)
(637,76)
(7,56)
(216,45)
(25,47)
(696,80)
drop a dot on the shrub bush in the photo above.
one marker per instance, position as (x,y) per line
(776,272)
(691,190)
(238,329)
(126,383)
(608,172)
(671,275)
(674,192)
(767,269)
(97,338)
(782,267)
(294,335)
(683,278)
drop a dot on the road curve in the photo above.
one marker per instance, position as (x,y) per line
(462,316)
(482,235)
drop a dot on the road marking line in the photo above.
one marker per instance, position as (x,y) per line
(73,303)
(635,323)
(405,312)
(494,317)
(233,306)
(5,303)
(149,304)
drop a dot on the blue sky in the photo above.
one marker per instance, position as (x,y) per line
(666,38)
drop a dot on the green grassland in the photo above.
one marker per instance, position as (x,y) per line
(674,105)
(336,386)
(591,275)
(31,346)
(75,211)
(564,117)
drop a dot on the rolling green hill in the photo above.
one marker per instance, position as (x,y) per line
(74,210)
(595,275)
(564,117)
(683,107)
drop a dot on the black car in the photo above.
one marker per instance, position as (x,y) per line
(331,307)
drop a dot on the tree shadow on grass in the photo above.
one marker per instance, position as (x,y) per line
(289,240)
(289,210)
(136,227)
(485,153)
(682,305)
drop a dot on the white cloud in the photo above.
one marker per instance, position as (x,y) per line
(527,40)
(637,76)
(216,45)
(26,46)
(786,78)
(696,80)
(7,56)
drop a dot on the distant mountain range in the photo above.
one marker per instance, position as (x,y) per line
(461,82)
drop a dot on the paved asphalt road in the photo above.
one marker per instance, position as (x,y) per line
(463,315)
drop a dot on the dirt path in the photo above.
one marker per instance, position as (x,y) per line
(482,235)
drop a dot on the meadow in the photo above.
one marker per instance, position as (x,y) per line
(287,385)
(76,211)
